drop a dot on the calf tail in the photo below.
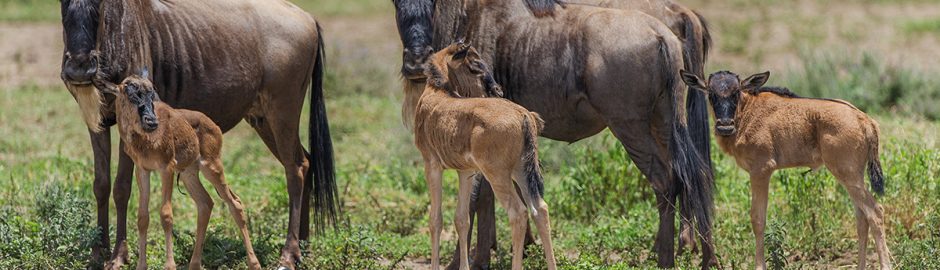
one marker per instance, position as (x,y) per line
(875,175)
(689,170)
(530,157)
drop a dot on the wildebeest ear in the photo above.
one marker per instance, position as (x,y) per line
(755,81)
(693,81)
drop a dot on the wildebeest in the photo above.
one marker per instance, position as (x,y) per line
(231,60)
(492,136)
(583,69)
(172,142)
(770,128)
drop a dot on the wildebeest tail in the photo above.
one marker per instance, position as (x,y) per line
(695,50)
(875,174)
(326,201)
(531,126)
(689,170)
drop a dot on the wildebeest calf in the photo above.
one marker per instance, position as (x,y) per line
(489,135)
(170,141)
(770,128)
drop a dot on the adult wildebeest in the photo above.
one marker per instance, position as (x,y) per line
(770,128)
(173,142)
(492,136)
(583,68)
(231,60)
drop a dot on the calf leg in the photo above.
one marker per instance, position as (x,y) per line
(433,172)
(143,216)
(166,216)
(861,227)
(503,188)
(190,179)
(863,200)
(759,186)
(540,214)
(214,173)
(482,208)
(462,217)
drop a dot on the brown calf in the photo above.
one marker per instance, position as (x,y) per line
(489,135)
(170,141)
(770,128)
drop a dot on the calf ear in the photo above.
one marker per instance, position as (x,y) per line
(693,81)
(755,81)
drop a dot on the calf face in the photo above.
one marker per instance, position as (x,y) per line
(460,69)
(140,92)
(724,92)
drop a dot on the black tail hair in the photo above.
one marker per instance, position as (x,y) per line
(530,159)
(695,50)
(875,175)
(689,170)
(326,202)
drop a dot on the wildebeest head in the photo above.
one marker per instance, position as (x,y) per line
(724,92)
(80,25)
(139,91)
(414,27)
(460,69)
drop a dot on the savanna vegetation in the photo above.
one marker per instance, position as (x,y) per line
(876,54)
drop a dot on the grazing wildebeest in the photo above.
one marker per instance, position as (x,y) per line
(770,128)
(172,141)
(231,60)
(582,68)
(492,136)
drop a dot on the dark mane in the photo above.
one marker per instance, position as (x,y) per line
(780,91)
(541,8)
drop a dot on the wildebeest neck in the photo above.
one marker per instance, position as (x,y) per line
(123,37)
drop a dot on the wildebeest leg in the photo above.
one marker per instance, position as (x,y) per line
(283,99)
(854,182)
(213,171)
(759,185)
(462,217)
(166,216)
(264,131)
(101,147)
(482,208)
(122,195)
(637,137)
(305,202)
(686,231)
(433,172)
(190,179)
(295,164)
(143,216)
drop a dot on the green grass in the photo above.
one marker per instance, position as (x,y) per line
(926,26)
(603,210)
(604,214)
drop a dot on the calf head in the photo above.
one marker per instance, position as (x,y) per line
(459,69)
(138,91)
(724,90)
